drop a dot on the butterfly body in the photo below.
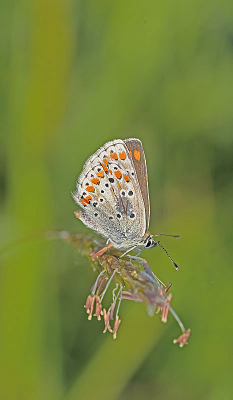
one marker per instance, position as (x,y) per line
(112,191)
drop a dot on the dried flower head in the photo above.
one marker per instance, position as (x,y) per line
(129,280)
(183,339)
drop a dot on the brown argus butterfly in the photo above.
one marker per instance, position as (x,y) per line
(112,191)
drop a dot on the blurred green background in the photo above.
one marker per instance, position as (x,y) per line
(73,75)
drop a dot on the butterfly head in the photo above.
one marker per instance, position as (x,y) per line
(149,242)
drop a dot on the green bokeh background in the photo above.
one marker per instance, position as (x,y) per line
(75,74)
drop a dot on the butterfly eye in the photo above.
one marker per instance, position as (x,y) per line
(149,242)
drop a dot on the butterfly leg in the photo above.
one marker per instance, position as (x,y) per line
(148,270)
(127,251)
(146,267)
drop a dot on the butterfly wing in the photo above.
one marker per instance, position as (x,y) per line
(110,196)
(139,160)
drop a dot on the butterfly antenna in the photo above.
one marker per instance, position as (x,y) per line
(165,234)
(173,262)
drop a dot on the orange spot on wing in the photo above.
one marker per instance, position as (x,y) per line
(126,178)
(130,152)
(87,198)
(100,174)
(110,171)
(122,155)
(90,188)
(137,155)
(104,167)
(95,181)
(105,161)
(114,156)
(77,214)
(118,174)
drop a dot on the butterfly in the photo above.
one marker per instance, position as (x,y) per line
(112,191)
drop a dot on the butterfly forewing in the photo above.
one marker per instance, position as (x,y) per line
(109,193)
(139,160)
